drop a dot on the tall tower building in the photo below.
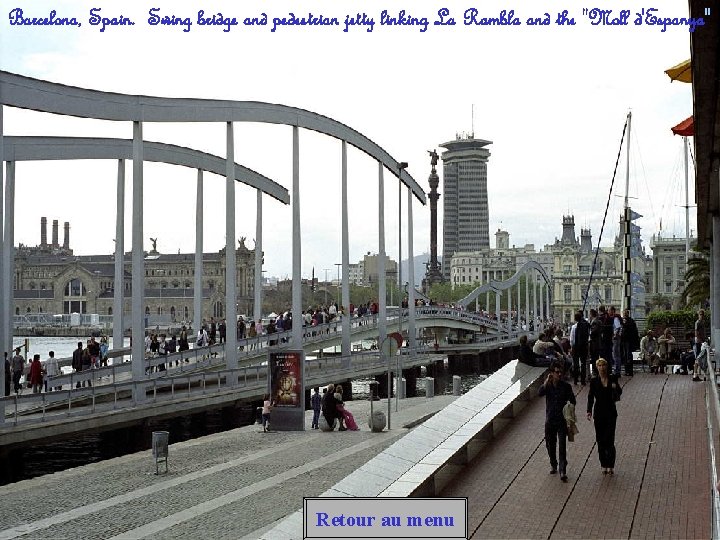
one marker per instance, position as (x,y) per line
(466,223)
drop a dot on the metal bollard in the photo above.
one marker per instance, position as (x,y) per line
(400,387)
(160,440)
(429,387)
(457,389)
(376,419)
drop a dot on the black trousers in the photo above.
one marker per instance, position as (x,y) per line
(627,357)
(16,380)
(580,365)
(605,437)
(556,436)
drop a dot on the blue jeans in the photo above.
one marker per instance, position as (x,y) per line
(316,418)
(617,356)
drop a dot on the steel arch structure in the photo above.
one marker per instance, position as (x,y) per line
(494,286)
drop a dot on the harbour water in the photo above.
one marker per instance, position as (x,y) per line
(62,346)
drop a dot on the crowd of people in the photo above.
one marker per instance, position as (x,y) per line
(607,341)
(40,373)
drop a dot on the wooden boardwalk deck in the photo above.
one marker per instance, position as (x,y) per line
(661,487)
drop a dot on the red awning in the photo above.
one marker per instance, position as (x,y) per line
(685,128)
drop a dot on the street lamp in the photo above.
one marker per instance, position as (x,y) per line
(401,167)
(326,284)
(338,279)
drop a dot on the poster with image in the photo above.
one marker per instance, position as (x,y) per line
(286,382)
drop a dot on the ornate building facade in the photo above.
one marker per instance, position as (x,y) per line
(495,264)
(49,279)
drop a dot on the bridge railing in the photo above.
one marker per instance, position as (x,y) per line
(160,387)
(254,347)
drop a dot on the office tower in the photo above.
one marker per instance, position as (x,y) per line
(466,224)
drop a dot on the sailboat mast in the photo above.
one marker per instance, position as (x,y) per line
(687,204)
(626,226)
(627,163)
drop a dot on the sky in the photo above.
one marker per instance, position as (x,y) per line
(552,99)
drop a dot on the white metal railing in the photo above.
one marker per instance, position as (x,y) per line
(192,365)
(712,404)
(166,386)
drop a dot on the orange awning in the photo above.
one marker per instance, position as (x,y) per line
(682,72)
(685,128)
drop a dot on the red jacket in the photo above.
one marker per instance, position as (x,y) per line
(36,372)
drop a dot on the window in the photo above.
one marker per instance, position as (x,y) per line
(109,311)
(668,287)
(566,269)
(567,293)
(75,288)
(608,293)
(668,270)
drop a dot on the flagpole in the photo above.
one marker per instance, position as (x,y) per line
(626,223)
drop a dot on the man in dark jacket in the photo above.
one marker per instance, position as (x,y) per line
(579,341)
(77,360)
(606,334)
(329,409)
(557,393)
(629,341)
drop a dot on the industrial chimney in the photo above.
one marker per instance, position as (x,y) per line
(55,233)
(43,232)
(66,241)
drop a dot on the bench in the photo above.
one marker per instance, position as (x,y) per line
(422,462)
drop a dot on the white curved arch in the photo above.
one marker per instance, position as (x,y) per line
(44,96)
(62,148)
(503,285)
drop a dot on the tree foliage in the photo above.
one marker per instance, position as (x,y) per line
(697,281)
(682,319)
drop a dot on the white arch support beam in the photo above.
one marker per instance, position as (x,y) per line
(43,96)
(66,148)
(502,285)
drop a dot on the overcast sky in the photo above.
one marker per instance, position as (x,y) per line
(552,99)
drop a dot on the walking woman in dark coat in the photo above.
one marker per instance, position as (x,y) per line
(604,392)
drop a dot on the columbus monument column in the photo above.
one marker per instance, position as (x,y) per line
(433,274)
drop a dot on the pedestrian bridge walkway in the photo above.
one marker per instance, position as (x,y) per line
(244,483)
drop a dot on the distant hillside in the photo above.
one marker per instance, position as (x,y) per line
(420,262)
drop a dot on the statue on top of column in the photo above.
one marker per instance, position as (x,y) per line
(433,158)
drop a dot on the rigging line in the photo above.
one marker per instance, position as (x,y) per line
(607,207)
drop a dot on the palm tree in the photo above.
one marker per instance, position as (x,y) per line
(697,281)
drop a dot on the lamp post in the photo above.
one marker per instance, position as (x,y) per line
(401,167)
(339,265)
(326,282)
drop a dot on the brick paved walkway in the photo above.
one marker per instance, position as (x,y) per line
(661,487)
(227,485)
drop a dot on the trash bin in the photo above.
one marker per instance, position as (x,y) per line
(160,441)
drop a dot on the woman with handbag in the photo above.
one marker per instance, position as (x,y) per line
(604,392)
